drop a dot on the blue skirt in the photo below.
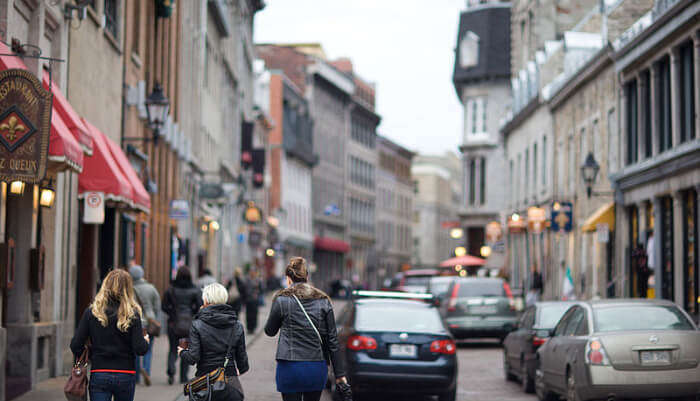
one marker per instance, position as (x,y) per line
(301,376)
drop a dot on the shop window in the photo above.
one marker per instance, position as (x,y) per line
(631,89)
(691,281)
(687,96)
(637,255)
(667,266)
(663,104)
(482,182)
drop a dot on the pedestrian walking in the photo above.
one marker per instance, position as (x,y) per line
(237,289)
(181,302)
(536,286)
(215,336)
(149,300)
(112,328)
(303,316)
(205,279)
(253,300)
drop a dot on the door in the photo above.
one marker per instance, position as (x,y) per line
(565,346)
(548,351)
(522,339)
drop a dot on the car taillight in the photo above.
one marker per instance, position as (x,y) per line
(447,347)
(452,304)
(509,294)
(537,341)
(359,343)
(595,353)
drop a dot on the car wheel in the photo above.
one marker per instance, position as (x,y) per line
(571,393)
(449,396)
(543,393)
(506,368)
(526,382)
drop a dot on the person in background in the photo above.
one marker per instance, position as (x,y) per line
(302,368)
(237,289)
(180,302)
(215,327)
(253,300)
(113,325)
(205,279)
(149,300)
(536,286)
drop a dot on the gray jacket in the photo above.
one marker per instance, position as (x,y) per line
(149,298)
(297,339)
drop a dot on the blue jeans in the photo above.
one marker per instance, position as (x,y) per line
(146,361)
(104,385)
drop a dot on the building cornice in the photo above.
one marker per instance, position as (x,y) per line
(588,72)
(522,115)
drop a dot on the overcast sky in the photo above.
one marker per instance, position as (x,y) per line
(404,46)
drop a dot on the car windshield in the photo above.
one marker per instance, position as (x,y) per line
(439,287)
(481,288)
(550,315)
(398,317)
(417,281)
(627,317)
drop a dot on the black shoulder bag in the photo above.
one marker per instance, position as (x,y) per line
(343,389)
(215,386)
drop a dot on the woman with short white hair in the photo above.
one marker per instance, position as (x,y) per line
(216,330)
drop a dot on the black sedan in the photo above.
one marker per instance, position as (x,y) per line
(520,346)
(395,344)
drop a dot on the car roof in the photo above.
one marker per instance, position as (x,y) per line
(409,303)
(550,303)
(443,278)
(479,279)
(421,272)
(602,303)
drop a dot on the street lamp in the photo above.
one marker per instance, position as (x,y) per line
(485,251)
(460,251)
(456,233)
(48,195)
(589,172)
(157,106)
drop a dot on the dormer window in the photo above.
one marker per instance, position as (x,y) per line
(469,50)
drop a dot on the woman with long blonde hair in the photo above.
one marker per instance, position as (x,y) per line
(113,326)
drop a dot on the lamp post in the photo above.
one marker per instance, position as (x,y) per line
(157,107)
(589,172)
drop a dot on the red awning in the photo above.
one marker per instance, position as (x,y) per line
(62,146)
(142,200)
(331,245)
(102,173)
(466,260)
(69,116)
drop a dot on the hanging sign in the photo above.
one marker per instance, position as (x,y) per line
(494,232)
(94,210)
(25,121)
(179,209)
(562,216)
(536,219)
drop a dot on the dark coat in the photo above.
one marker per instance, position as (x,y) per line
(298,340)
(181,301)
(212,329)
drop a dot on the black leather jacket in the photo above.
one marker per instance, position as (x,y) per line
(209,336)
(298,340)
(181,298)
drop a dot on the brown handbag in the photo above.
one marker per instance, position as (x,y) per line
(77,384)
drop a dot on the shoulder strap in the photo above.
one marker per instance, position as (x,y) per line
(309,319)
(229,347)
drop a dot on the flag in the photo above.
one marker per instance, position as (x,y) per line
(567,290)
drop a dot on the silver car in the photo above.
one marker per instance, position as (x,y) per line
(620,349)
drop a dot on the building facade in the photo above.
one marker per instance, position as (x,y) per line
(481,79)
(395,193)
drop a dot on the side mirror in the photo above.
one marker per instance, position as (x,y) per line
(551,332)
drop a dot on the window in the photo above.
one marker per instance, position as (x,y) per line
(510,176)
(472,184)
(518,178)
(631,92)
(111,20)
(544,162)
(526,167)
(663,104)
(612,140)
(136,28)
(469,50)
(534,168)
(646,112)
(482,182)
(687,96)
(475,115)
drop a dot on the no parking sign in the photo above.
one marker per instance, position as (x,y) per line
(94,211)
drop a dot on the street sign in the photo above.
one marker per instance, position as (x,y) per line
(179,209)
(94,210)
(450,224)
(562,216)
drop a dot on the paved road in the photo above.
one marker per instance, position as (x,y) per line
(480,374)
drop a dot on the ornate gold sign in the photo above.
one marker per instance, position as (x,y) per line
(25,122)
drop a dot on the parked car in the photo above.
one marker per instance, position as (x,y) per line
(439,285)
(520,346)
(479,307)
(395,344)
(621,349)
(416,280)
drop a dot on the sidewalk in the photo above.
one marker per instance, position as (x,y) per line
(52,389)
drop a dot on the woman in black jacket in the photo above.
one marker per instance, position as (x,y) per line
(301,362)
(215,330)
(113,325)
(181,302)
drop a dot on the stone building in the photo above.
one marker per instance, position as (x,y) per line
(481,78)
(437,180)
(658,177)
(395,193)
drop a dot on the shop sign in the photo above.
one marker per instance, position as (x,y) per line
(25,121)
(536,219)
(603,233)
(252,214)
(494,232)
(179,209)
(562,216)
(94,210)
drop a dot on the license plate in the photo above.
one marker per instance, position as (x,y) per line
(485,309)
(402,351)
(654,357)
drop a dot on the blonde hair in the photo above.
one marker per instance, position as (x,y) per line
(296,270)
(118,288)
(214,294)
